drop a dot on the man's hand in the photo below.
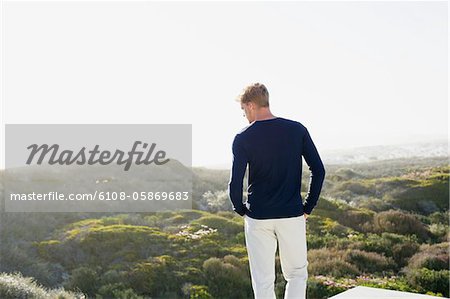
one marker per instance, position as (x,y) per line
(306,216)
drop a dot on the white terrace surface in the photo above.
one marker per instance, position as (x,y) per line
(361,292)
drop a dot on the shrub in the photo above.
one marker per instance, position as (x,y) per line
(357,219)
(155,276)
(333,227)
(439,217)
(399,222)
(84,279)
(317,241)
(430,280)
(199,292)
(16,286)
(330,262)
(399,247)
(223,225)
(374,204)
(117,290)
(112,276)
(439,231)
(402,252)
(104,245)
(227,277)
(433,257)
(369,262)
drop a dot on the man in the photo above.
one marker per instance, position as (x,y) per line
(274,214)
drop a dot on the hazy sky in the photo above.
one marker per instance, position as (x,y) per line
(354,73)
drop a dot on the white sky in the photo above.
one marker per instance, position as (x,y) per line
(354,73)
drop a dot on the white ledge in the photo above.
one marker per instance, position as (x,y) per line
(360,292)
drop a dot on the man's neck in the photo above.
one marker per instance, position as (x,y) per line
(263,115)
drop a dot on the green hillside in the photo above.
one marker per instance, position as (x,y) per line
(389,231)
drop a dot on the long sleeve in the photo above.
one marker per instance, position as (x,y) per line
(317,171)
(235,184)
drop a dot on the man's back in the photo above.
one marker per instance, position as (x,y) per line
(273,149)
(274,216)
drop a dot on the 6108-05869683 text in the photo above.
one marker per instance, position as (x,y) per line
(104,196)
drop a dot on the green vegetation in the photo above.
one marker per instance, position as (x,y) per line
(375,226)
(19,287)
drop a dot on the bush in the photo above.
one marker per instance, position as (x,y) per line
(358,219)
(84,279)
(155,276)
(227,277)
(104,245)
(439,231)
(369,262)
(402,252)
(317,241)
(199,292)
(433,257)
(113,276)
(374,204)
(16,286)
(223,225)
(326,261)
(439,217)
(399,222)
(334,227)
(399,247)
(430,280)
(117,290)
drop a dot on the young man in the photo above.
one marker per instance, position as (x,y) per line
(274,214)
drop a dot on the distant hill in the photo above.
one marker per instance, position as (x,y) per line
(386,152)
(364,154)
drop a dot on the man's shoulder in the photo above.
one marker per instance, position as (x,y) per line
(293,124)
(297,125)
(291,121)
(244,131)
(240,135)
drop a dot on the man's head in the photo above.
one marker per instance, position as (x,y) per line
(254,101)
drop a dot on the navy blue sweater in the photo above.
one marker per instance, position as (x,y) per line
(273,149)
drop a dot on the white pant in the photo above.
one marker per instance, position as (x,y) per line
(261,237)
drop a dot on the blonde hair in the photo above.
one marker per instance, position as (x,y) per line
(256,93)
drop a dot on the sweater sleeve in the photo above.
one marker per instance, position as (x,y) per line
(235,184)
(317,171)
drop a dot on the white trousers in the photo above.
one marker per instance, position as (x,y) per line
(262,237)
